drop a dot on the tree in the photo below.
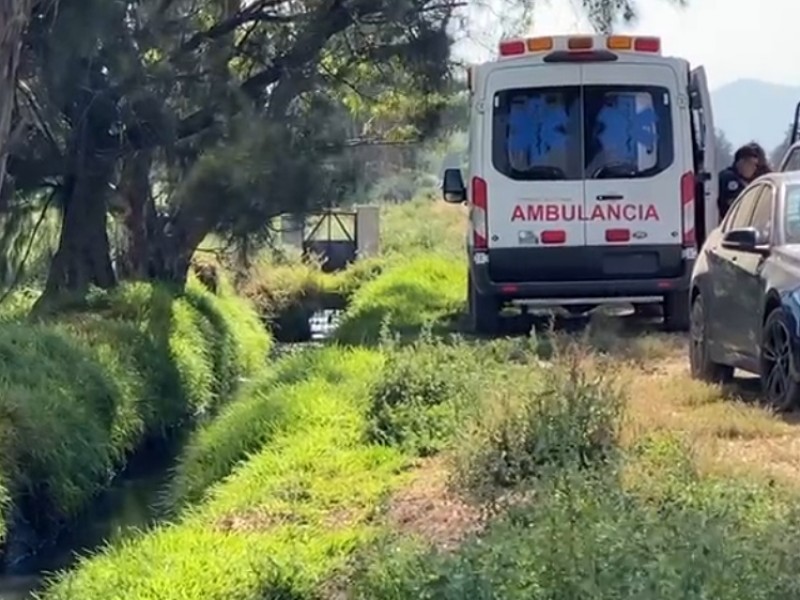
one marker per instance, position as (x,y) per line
(183,118)
(14,17)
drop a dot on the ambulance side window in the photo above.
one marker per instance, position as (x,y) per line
(627,131)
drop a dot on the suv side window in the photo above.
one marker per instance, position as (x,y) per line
(792,161)
(744,208)
(762,215)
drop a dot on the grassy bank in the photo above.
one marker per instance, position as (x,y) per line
(91,384)
(404,462)
(282,521)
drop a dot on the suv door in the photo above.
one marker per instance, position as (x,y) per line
(746,278)
(726,307)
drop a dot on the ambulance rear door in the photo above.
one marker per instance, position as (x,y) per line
(634,163)
(703,127)
(532,163)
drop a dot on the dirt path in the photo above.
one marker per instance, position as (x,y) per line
(730,431)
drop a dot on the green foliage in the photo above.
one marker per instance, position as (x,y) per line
(534,420)
(585,536)
(263,408)
(419,402)
(95,382)
(28,239)
(424,226)
(408,295)
(18,304)
(282,521)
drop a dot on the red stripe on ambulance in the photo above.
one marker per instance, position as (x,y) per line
(571,212)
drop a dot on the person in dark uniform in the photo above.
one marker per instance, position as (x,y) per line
(763,162)
(733,179)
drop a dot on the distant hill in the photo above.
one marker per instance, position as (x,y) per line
(749,109)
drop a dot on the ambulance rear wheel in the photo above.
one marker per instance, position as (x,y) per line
(484,311)
(677,311)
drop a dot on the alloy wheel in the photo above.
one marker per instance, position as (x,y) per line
(776,357)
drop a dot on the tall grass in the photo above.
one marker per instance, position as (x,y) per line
(408,296)
(291,501)
(90,385)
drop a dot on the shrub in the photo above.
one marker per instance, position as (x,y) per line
(534,420)
(408,296)
(17,304)
(583,536)
(424,225)
(418,402)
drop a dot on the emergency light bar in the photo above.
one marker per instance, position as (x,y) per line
(519,47)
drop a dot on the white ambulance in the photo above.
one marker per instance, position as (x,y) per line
(591,176)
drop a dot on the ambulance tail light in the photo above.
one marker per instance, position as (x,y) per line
(480,214)
(554,236)
(618,235)
(688,207)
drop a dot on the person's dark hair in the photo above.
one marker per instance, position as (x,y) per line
(745,152)
(763,162)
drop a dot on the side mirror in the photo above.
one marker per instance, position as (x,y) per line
(453,188)
(746,239)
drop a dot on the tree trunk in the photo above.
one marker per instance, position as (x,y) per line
(157,247)
(137,205)
(83,257)
(14,16)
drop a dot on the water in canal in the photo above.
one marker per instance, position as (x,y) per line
(129,505)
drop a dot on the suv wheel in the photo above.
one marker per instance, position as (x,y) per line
(702,367)
(484,311)
(676,311)
(781,388)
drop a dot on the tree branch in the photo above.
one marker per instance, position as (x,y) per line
(255,13)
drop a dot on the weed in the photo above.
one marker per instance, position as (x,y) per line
(585,537)
(417,403)
(534,420)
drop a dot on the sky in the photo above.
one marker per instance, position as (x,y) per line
(734,39)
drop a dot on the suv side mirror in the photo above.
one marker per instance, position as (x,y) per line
(453,189)
(746,239)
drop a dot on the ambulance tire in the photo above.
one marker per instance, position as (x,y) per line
(677,312)
(484,311)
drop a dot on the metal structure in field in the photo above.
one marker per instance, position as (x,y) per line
(335,237)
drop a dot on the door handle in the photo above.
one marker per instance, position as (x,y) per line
(608,197)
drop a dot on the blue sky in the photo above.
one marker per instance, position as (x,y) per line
(734,39)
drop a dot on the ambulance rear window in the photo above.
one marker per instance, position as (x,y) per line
(582,132)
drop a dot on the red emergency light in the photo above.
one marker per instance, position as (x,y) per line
(618,235)
(557,236)
(512,48)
